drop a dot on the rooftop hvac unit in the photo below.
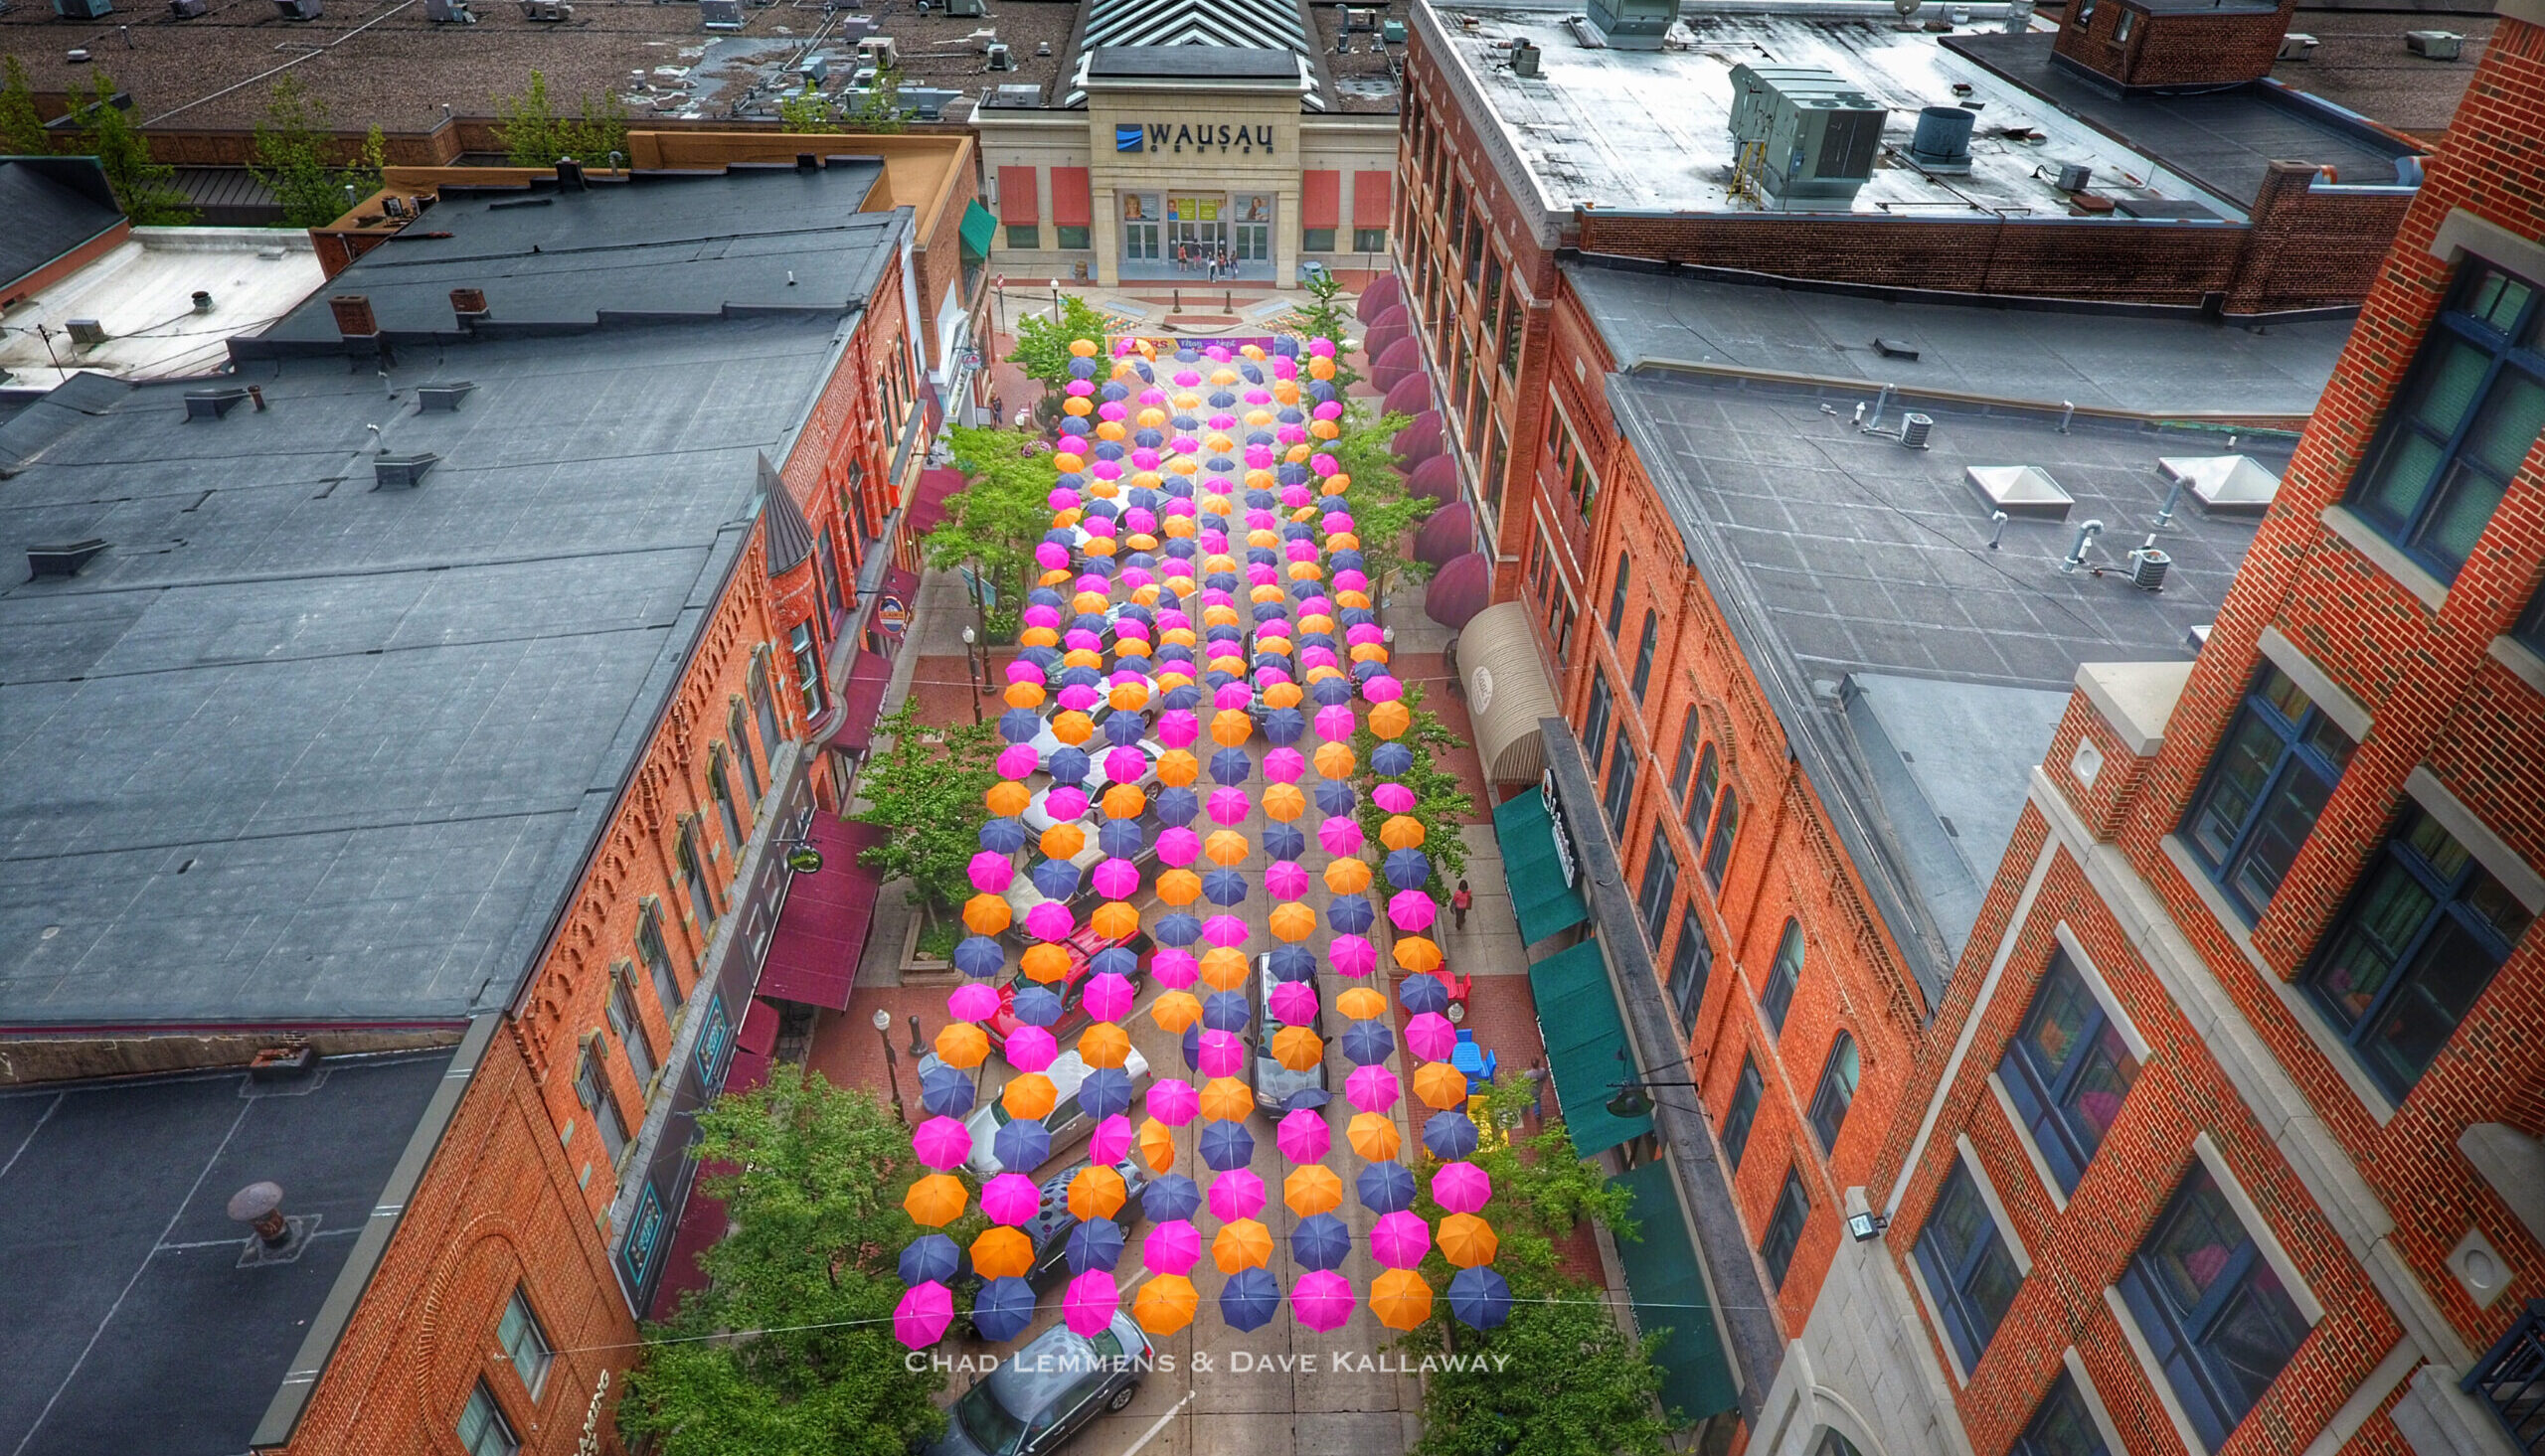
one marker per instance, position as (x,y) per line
(1943,139)
(815,70)
(547,12)
(2296,45)
(1014,97)
(927,101)
(82,9)
(720,15)
(1525,58)
(854,28)
(2073,176)
(1000,57)
(1634,25)
(189,9)
(86,333)
(299,9)
(2433,45)
(449,12)
(1392,31)
(965,9)
(1816,133)
(878,51)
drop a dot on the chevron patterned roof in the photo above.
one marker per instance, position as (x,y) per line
(1236,24)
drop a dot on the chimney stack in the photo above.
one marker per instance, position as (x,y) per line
(354,317)
(570,175)
(260,1206)
(470,304)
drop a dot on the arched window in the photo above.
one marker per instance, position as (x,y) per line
(1777,997)
(1727,823)
(1618,600)
(1643,653)
(1837,1091)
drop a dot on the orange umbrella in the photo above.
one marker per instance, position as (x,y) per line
(1313,1189)
(1441,1085)
(1225,847)
(1044,963)
(1075,727)
(1369,652)
(1063,841)
(1373,1135)
(1401,832)
(1105,1045)
(1361,1003)
(1179,887)
(936,1199)
(1292,921)
(1336,760)
(1226,1099)
(1007,799)
(986,914)
(1024,695)
(1418,955)
(1040,636)
(1176,768)
(1117,920)
(1467,1240)
(1231,728)
(1222,968)
(1157,1145)
(1127,697)
(1125,801)
(1029,1094)
(1244,1244)
(1400,1299)
(1391,720)
(1284,802)
(1175,1011)
(962,1045)
(1165,1304)
(1297,1048)
(1096,1192)
(1347,875)
(1002,1254)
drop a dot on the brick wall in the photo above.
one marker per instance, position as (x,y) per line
(2176,48)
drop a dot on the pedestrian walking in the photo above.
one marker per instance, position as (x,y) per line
(1183,258)
(998,409)
(1537,1080)
(1459,904)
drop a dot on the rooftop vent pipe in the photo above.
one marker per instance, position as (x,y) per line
(260,1206)
(570,175)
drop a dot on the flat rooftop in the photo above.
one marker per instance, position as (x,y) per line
(296,749)
(142,294)
(1915,668)
(2135,363)
(132,1325)
(2359,63)
(1649,131)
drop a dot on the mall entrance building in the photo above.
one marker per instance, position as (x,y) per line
(1186,135)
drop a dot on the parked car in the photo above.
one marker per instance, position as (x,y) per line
(1046,744)
(1277,1087)
(1082,948)
(1050,1228)
(1069,1120)
(1044,1395)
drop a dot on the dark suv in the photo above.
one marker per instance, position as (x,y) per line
(1044,1393)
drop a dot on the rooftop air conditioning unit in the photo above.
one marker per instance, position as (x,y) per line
(815,70)
(86,333)
(189,9)
(2433,45)
(927,101)
(720,15)
(1634,25)
(547,12)
(2296,45)
(1014,97)
(1813,135)
(879,51)
(299,9)
(1525,58)
(1000,57)
(965,9)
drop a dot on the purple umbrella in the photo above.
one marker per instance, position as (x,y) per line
(1323,1301)
(1431,1036)
(1228,805)
(1236,1194)
(976,1001)
(1011,1198)
(942,1142)
(1221,1054)
(1108,996)
(1461,1187)
(1411,909)
(1292,1003)
(1091,1302)
(923,1315)
(1372,1088)
(1285,879)
(1173,1102)
(1340,834)
(1302,1135)
(1399,1241)
(1352,955)
(1170,1247)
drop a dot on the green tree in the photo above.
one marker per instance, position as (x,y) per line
(808,111)
(1383,511)
(926,789)
(536,136)
(1440,805)
(1325,317)
(788,1351)
(292,146)
(880,109)
(1043,344)
(144,187)
(993,523)
(22,130)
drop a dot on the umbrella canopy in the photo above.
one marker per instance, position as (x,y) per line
(1340,835)
(1224,1011)
(1105,1092)
(1399,1239)
(1165,1304)
(972,1002)
(1406,869)
(1467,1240)
(1291,921)
(1368,1042)
(1351,914)
(1001,1251)
(1095,1244)
(1242,1245)
(1028,1094)
(1373,1135)
(1225,887)
(1236,1194)
(1171,1197)
(1292,1003)
(1441,1085)
(1157,1146)
(1461,1187)
(1226,1099)
(1023,1144)
(1400,1298)
(1010,1198)
(1038,1006)
(1372,1088)
(1303,1136)
(936,1200)
(1411,909)
(1360,1003)
(1031,1049)
(1105,1045)
(962,1045)
(919,1320)
(1090,1303)
(1003,1308)
(1285,879)
(1173,1011)
(1226,1145)
(1297,1048)
(1294,963)
(1449,1134)
(1171,1247)
(979,955)
(1479,1297)
(1385,1188)
(1250,1299)
(1323,1300)
(1110,1143)
(1424,995)
(1173,1102)
(1097,1191)
(1223,968)
(1222,1054)
(1312,1189)
(1225,931)
(1320,1241)
(931,1258)
(1431,1035)
(1108,996)
(941,1143)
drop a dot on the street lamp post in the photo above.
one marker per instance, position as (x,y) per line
(892,1074)
(972,667)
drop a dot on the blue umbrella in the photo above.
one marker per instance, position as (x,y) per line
(1230,767)
(1284,725)
(1347,560)
(1449,1134)
(1085,677)
(1122,729)
(1045,596)
(1193,1048)
(979,955)
(1284,841)
(1019,725)
(1351,913)
(946,1092)
(1002,1310)
(1423,993)
(1095,1244)
(1037,1006)
(1107,1091)
(1335,796)
(1294,963)
(1179,804)
(1180,929)
(1173,1195)
(1320,1242)
(1479,1297)
(1368,1042)
(1223,1011)
(1386,1188)
(1185,696)
(1120,960)
(1408,869)
(1057,878)
(931,1258)
(1330,692)
(1121,838)
(1390,759)
(1250,1299)
(1223,886)
(1003,835)
(1226,1145)
(1022,1145)
(1068,766)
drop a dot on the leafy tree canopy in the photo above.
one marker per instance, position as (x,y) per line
(1440,804)
(1383,510)
(145,189)
(993,523)
(925,788)
(22,130)
(536,136)
(292,147)
(1043,345)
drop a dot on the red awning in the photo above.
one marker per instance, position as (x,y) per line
(928,503)
(759,1030)
(860,701)
(702,1225)
(1071,207)
(1370,199)
(812,956)
(1321,199)
(1019,200)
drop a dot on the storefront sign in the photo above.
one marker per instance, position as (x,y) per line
(1557,827)
(1179,135)
(589,1445)
(892,614)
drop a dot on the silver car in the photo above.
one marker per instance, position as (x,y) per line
(1275,1085)
(1047,1392)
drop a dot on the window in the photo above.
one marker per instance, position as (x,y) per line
(525,1343)
(2472,405)
(738,723)
(2061,1427)
(765,705)
(2509,1380)
(1744,1110)
(809,668)
(2085,14)
(592,1088)
(1068,236)
(826,556)
(2530,628)
(644,1236)
(1368,239)
(1472,256)
(1836,1092)
(1777,997)
(1690,963)
(1595,727)
(1497,462)
(1660,887)
(1644,652)
(1970,1274)
(483,1432)
(1701,798)
(1316,239)
(1024,234)
(1727,823)
(1687,760)
(658,957)
(2068,1072)
(2413,950)
(630,1030)
(2120,29)
(2274,772)
(1620,797)
(1617,599)
(1489,303)
(1785,1229)
(693,873)
(1515,318)
(720,787)
(2213,1310)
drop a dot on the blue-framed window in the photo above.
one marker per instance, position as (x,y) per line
(2273,772)
(1620,801)
(2472,407)
(2214,1312)
(1594,721)
(1660,887)
(2061,1425)
(1776,997)
(1785,1227)
(1743,1111)
(1644,652)
(2413,950)
(1971,1273)
(2509,1380)
(1727,824)
(2068,1071)
(644,1237)
(1691,962)
(715,1042)
(1836,1092)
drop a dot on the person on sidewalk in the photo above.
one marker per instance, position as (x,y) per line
(998,411)
(1537,1080)
(1459,904)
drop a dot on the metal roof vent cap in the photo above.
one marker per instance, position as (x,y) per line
(444,396)
(214,404)
(63,560)
(275,1237)
(398,472)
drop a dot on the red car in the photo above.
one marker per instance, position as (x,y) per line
(1082,948)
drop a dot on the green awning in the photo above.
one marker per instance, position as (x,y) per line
(1540,898)
(1578,1017)
(980,226)
(1668,1292)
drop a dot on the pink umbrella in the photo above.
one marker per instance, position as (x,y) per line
(1461,1187)
(1408,909)
(1078,639)
(1363,634)
(1047,616)
(1229,805)
(1031,1049)
(1177,728)
(1171,1247)
(991,873)
(1428,1035)
(1372,1088)
(1396,798)
(1011,1198)
(1125,766)
(1232,695)
(942,1142)
(1323,1301)
(973,1001)
(1223,931)
(1340,834)
(1353,955)
(1381,690)
(1221,1054)
(1283,880)
(1351,581)
(1065,802)
(1108,996)
(1292,1003)
(1179,846)
(1049,920)
(1079,698)
(1111,1141)
(1399,1241)
(1302,1135)
(1091,1302)
(1334,722)
(1120,878)
(923,1315)
(1172,1102)
(1236,1194)
(1175,969)
(1284,766)
(1017,760)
